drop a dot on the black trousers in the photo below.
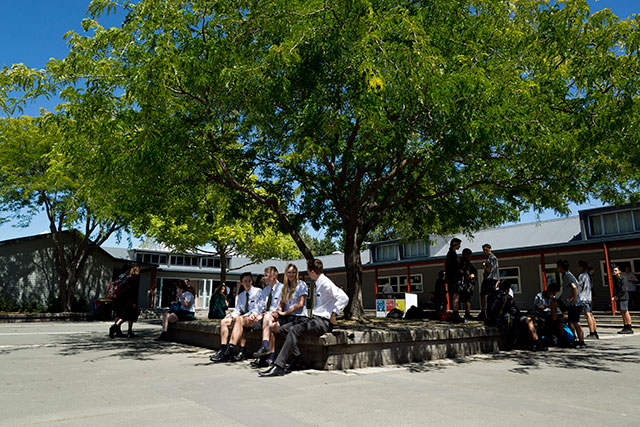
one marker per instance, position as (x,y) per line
(294,330)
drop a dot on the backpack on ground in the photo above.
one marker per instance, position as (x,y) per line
(395,314)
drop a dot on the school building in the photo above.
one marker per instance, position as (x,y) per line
(527,255)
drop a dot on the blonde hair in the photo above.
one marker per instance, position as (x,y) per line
(289,288)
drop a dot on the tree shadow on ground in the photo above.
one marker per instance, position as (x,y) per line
(142,347)
(98,345)
(605,355)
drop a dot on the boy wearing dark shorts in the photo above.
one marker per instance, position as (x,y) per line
(490,278)
(570,301)
(621,295)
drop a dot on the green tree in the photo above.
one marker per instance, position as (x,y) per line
(443,116)
(36,176)
(319,247)
(226,223)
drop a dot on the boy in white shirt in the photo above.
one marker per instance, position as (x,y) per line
(328,300)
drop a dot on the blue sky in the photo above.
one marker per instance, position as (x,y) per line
(31,32)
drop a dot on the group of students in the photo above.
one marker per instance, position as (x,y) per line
(461,277)
(545,323)
(279,308)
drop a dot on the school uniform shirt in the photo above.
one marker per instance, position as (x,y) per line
(567,292)
(189,302)
(584,287)
(492,264)
(253,294)
(630,279)
(301,289)
(541,299)
(261,306)
(328,298)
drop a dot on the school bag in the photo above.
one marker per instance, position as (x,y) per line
(118,287)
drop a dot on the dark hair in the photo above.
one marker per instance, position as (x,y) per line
(563,263)
(486,245)
(584,264)
(466,251)
(505,285)
(553,286)
(441,274)
(222,288)
(245,274)
(614,265)
(184,285)
(454,241)
(316,266)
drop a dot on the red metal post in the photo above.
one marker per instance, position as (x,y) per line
(376,280)
(152,288)
(543,270)
(408,279)
(607,261)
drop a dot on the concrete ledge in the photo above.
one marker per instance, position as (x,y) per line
(352,346)
(45,317)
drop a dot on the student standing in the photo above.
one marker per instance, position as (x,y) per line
(454,278)
(621,295)
(585,285)
(469,274)
(490,278)
(570,300)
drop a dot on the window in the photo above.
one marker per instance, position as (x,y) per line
(415,249)
(615,223)
(610,223)
(596,225)
(513,275)
(163,259)
(399,283)
(625,222)
(634,264)
(139,258)
(386,253)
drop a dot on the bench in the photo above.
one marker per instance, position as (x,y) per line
(359,346)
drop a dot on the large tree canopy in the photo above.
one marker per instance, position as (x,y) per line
(36,173)
(442,115)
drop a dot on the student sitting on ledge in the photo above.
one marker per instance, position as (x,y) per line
(328,300)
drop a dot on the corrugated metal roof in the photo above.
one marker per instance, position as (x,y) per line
(561,230)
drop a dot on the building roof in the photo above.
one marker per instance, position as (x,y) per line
(521,236)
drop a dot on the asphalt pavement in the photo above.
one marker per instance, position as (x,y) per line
(73,374)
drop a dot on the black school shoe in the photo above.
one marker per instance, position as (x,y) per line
(262,362)
(239,357)
(274,371)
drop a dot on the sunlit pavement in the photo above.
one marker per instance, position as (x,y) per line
(74,374)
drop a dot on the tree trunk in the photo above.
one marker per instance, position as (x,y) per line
(222,253)
(353,265)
